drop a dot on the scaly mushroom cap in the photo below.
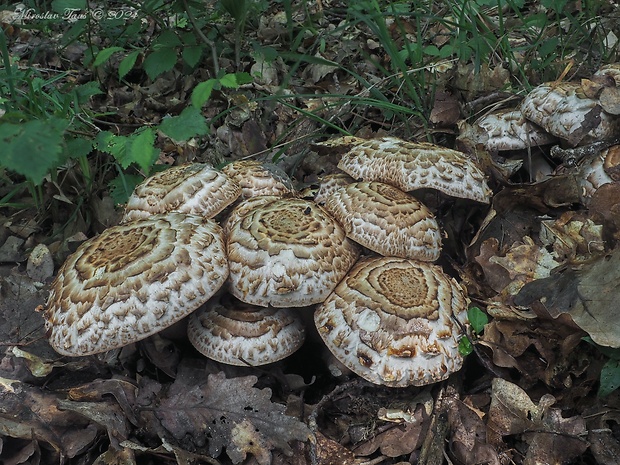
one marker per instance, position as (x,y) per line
(196,189)
(390,321)
(562,110)
(230,331)
(331,183)
(612,70)
(507,130)
(287,253)
(243,208)
(386,220)
(410,166)
(256,178)
(134,280)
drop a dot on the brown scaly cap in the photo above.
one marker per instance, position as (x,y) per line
(390,321)
(195,189)
(233,332)
(410,166)
(256,178)
(287,253)
(562,110)
(386,220)
(134,280)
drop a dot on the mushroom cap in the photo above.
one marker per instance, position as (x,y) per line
(256,178)
(331,183)
(416,165)
(134,280)
(508,130)
(287,253)
(196,189)
(230,331)
(243,208)
(390,321)
(598,171)
(386,220)
(562,110)
(612,70)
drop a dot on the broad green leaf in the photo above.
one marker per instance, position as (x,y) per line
(465,347)
(202,92)
(140,149)
(111,143)
(188,124)
(477,319)
(105,54)
(159,62)
(610,378)
(32,149)
(127,63)
(192,54)
(233,81)
(122,186)
(168,39)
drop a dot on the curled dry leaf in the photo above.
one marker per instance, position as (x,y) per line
(222,413)
(551,438)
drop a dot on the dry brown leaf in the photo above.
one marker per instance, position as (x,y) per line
(219,413)
(329,452)
(468,437)
(446,110)
(588,295)
(28,411)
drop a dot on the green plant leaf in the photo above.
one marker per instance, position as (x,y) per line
(465,346)
(233,81)
(128,63)
(202,92)
(167,39)
(477,318)
(140,149)
(32,149)
(188,124)
(105,54)
(192,54)
(122,186)
(160,61)
(610,378)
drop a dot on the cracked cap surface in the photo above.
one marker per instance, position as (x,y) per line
(134,280)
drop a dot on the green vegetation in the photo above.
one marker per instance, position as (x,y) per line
(52,134)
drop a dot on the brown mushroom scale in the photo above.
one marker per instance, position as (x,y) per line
(134,280)
(386,220)
(287,252)
(391,322)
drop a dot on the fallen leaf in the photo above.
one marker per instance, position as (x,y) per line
(224,413)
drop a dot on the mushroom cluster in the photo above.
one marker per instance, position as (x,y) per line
(392,316)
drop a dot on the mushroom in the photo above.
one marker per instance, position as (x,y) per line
(230,331)
(134,280)
(505,130)
(256,178)
(410,166)
(386,220)
(393,322)
(287,253)
(196,189)
(331,183)
(243,208)
(563,110)
(597,171)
